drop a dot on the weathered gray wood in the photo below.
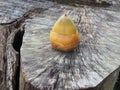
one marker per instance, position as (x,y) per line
(96,57)
(3,38)
(109,82)
(91,65)
(8,54)
(91,1)
(13,59)
(11,10)
(88,2)
(7,26)
(5,31)
(12,15)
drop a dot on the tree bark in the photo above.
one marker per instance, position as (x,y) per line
(5,31)
(13,59)
(3,38)
(109,82)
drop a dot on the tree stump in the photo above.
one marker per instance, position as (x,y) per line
(12,15)
(93,65)
(3,39)
(9,58)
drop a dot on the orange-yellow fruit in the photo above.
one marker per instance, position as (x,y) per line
(64,34)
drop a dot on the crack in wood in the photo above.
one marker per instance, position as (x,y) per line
(9,78)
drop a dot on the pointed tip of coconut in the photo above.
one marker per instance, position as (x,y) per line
(65,14)
(64,25)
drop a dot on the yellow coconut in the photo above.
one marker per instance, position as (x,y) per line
(64,34)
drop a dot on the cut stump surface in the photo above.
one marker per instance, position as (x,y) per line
(90,65)
(94,64)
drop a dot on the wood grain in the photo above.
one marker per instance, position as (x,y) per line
(96,57)
(93,65)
